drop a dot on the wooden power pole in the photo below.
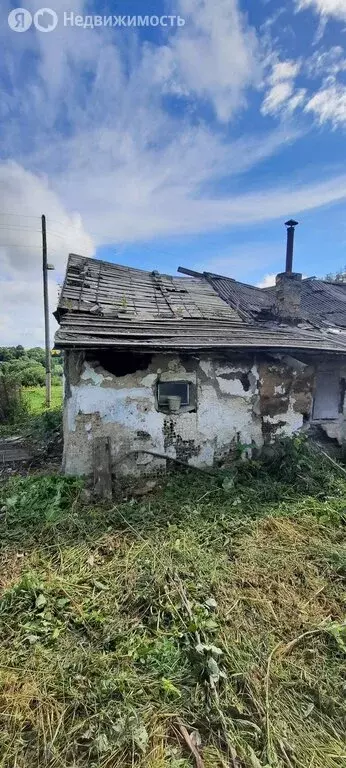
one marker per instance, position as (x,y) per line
(45,267)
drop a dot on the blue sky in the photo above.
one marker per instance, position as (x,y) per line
(165,146)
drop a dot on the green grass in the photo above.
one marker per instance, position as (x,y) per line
(34,412)
(35,420)
(216,601)
(35,398)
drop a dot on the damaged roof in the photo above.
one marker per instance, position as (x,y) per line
(323,304)
(99,287)
(108,305)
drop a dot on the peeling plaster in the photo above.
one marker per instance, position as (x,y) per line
(175,365)
(127,409)
(231,387)
(286,423)
(89,374)
(122,406)
(240,401)
(149,380)
(280,390)
(207,367)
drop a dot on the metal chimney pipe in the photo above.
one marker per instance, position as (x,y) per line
(291,225)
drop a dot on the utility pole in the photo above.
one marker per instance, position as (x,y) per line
(46,267)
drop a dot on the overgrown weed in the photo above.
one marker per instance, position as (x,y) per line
(217,602)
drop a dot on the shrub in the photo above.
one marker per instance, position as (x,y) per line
(26,372)
(12,406)
(45,432)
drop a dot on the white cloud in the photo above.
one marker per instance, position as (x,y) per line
(146,192)
(242,261)
(130,211)
(327,63)
(21,318)
(128,165)
(329,104)
(281,97)
(161,199)
(133,169)
(136,170)
(334,8)
(267,281)
(298,99)
(22,196)
(216,56)
(284,70)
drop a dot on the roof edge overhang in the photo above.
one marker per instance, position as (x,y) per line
(152,348)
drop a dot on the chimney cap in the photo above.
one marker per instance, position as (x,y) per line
(291,223)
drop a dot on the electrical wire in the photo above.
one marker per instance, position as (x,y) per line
(21,229)
(23,215)
(104,239)
(32,247)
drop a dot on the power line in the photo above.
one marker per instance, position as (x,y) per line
(14,245)
(27,216)
(18,228)
(51,231)
(21,229)
(57,234)
(19,246)
(103,239)
(23,215)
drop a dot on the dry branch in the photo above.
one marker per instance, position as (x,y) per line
(188,741)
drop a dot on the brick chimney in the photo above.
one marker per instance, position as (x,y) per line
(288,293)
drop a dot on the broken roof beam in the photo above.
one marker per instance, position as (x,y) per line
(190,272)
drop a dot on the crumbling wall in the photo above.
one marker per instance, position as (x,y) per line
(286,396)
(334,428)
(97,403)
(237,400)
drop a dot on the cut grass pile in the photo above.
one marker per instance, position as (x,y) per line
(216,603)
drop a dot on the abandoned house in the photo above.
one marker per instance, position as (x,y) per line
(187,367)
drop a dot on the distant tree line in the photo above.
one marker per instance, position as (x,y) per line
(27,366)
(337,277)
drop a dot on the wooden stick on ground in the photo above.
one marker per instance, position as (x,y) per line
(102,468)
(164,456)
(189,743)
(326,456)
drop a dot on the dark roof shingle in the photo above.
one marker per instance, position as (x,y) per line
(323,303)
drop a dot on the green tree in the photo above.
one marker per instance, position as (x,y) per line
(337,277)
(38,354)
(25,372)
